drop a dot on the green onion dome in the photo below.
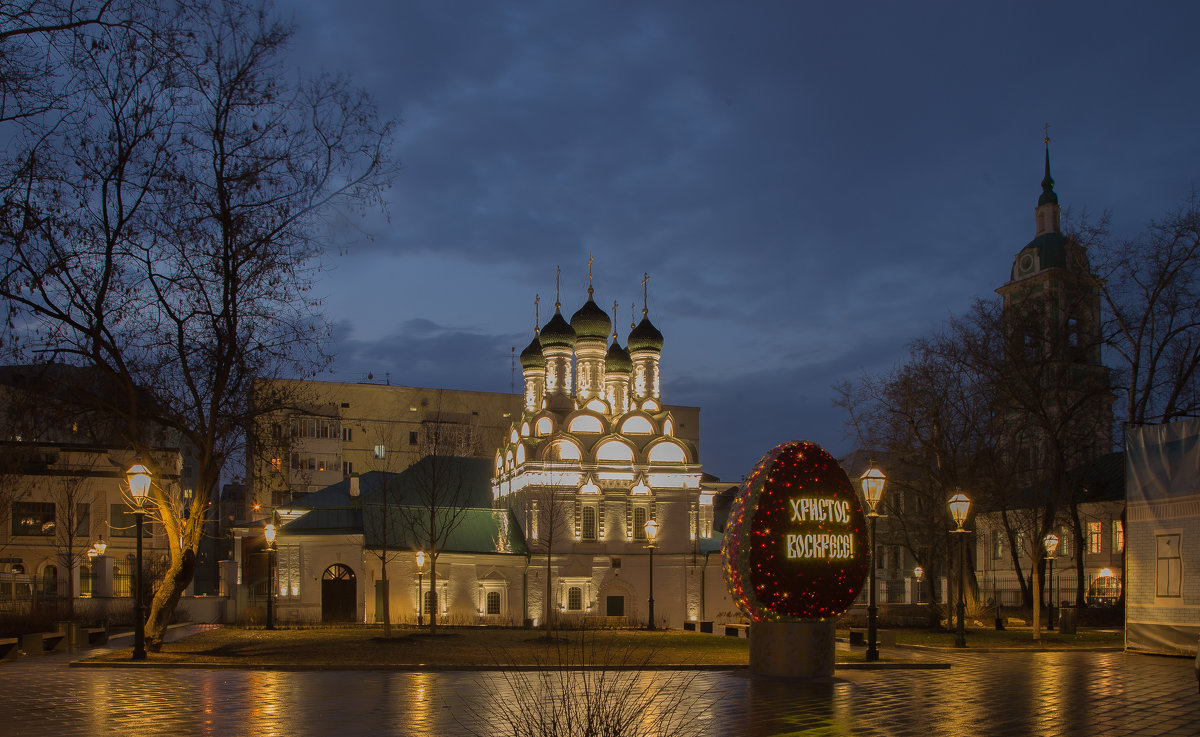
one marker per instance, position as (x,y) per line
(557,333)
(591,322)
(645,337)
(532,356)
(617,361)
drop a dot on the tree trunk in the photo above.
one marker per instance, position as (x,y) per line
(433,594)
(166,597)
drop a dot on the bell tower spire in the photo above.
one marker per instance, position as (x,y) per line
(1047,212)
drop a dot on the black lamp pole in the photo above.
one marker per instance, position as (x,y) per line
(996,595)
(139,605)
(271,586)
(872,647)
(650,624)
(1050,598)
(960,636)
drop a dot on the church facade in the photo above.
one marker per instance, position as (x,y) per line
(592,502)
(605,481)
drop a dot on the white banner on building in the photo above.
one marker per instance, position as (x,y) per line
(1162,579)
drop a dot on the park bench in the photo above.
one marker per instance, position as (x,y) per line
(39,643)
(883,638)
(737,630)
(95,635)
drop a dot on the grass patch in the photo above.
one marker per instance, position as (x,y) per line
(353,647)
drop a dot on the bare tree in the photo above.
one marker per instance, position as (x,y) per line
(73,499)
(384,523)
(440,485)
(197,181)
(548,519)
(1151,291)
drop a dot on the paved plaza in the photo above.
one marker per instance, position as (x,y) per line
(1043,693)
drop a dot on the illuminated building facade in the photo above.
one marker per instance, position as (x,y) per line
(593,457)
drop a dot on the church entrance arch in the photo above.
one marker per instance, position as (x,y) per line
(339,592)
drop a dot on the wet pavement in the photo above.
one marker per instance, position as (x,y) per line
(1032,693)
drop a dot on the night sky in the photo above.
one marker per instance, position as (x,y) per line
(809,185)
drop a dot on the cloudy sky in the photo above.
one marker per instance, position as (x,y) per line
(809,185)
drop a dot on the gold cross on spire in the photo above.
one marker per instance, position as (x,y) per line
(537,317)
(645,291)
(557,300)
(615,318)
(590,260)
(1047,129)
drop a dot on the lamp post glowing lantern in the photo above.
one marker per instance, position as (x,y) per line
(872,486)
(960,506)
(651,535)
(420,586)
(795,556)
(1051,542)
(269,534)
(138,477)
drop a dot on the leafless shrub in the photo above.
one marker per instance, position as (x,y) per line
(590,685)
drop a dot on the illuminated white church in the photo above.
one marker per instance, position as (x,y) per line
(595,456)
(584,461)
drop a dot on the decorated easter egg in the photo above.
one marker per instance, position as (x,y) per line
(796,543)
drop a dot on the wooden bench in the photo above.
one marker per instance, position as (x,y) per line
(883,638)
(52,640)
(8,647)
(95,635)
(737,630)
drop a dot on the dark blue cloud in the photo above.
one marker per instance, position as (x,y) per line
(807,184)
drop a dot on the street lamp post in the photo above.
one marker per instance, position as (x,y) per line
(872,486)
(420,588)
(996,594)
(1051,548)
(138,477)
(651,535)
(959,506)
(269,534)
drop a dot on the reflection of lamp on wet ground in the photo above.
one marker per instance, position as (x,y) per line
(1051,548)
(651,534)
(872,486)
(269,534)
(138,477)
(960,505)
(420,587)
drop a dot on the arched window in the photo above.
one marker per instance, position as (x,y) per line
(50,580)
(493,602)
(565,450)
(589,523)
(574,598)
(586,423)
(614,450)
(667,452)
(544,426)
(520,454)
(637,425)
(430,601)
(639,523)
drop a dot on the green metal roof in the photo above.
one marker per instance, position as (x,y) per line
(477,530)
(390,503)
